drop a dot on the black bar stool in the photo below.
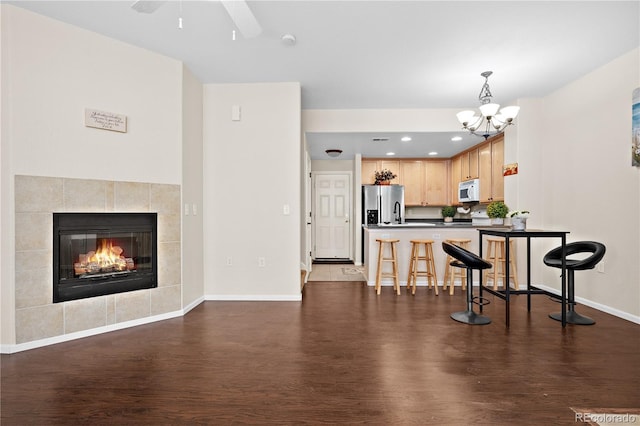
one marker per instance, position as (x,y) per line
(466,259)
(554,259)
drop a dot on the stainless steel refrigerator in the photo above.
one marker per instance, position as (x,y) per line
(382,204)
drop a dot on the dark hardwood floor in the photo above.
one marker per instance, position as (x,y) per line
(342,356)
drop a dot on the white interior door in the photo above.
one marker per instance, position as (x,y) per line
(332,213)
(308,206)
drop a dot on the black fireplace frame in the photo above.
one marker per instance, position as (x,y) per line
(73,289)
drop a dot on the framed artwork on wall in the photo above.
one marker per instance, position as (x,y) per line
(635,128)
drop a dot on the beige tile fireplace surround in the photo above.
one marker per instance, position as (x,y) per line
(36,198)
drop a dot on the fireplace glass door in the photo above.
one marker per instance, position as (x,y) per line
(103,253)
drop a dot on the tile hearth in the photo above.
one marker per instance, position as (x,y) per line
(36,198)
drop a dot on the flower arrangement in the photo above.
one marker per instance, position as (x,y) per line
(384,175)
(497,209)
(522,214)
(518,219)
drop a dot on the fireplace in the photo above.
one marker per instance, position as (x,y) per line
(95,254)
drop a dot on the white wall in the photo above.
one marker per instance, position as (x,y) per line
(51,72)
(192,224)
(251,171)
(7,234)
(57,70)
(575,174)
(380,120)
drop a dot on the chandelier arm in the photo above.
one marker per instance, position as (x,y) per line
(497,124)
(472,127)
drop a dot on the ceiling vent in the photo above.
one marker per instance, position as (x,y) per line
(147,6)
(380,139)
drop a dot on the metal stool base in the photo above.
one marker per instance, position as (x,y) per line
(470,317)
(573,318)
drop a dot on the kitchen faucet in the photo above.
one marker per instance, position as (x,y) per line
(397,209)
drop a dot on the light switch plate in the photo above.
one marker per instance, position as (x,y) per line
(235,113)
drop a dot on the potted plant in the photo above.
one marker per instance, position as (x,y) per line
(497,211)
(448,212)
(384,176)
(518,219)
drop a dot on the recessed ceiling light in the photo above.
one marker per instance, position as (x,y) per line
(456,138)
(433,153)
(288,39)
(391,153)
(406,138)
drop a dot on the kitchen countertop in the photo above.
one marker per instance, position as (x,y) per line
(424,224)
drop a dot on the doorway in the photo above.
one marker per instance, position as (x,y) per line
(332,214)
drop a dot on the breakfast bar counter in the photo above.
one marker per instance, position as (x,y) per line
(410,231)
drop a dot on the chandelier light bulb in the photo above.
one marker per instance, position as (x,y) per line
(489,110)
(464,117)
(510,112)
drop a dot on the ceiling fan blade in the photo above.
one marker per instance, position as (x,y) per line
(147,6)
(242,17)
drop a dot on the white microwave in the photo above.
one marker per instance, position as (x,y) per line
(469,191)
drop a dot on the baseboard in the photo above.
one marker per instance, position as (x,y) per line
(20,347)
(599,306)
(595,305)
(254,297)
(192,305)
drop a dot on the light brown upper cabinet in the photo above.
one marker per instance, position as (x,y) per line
(469,164)
(437,191)
(491,161)
(370,166)
(414,182)
(435,182)
(425,182)
(464,166)
(368,169)
(455,178)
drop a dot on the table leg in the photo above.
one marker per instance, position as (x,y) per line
(480,272)
(564,280)
(528,274)
(505,280)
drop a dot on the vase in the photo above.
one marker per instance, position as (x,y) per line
(385,182)
(448,219)
(519,223)
(497,221)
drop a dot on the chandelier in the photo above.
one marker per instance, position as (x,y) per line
(494,121)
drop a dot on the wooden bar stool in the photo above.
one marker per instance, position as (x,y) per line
(450,273)
(430,267)
(394,263)
(496,256)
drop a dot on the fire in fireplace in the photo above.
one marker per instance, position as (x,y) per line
(95,254)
